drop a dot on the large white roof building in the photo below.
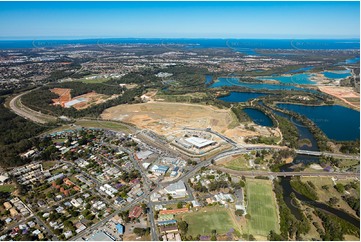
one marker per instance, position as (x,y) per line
(199,142)
(177,189)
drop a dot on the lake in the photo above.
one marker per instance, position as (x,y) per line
(337,74)
(241,96)
(234,81)
(337,122)
(303,69)
(301,79)
(259,117)
(209,79)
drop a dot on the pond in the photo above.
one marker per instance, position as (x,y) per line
(259,117)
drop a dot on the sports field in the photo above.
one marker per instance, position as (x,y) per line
(207,219)
(7,188)
(262,207)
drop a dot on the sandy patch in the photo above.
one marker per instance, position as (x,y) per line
(346,94)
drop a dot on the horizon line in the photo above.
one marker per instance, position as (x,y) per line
(185,38)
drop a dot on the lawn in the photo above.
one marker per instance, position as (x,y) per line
(325,195)
(7,188)
(240,164)
(207,219)
(103,124)
(262,207)
(96,80)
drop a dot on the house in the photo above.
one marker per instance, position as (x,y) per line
(7,205)
(195,203)
(59,209)
(169,229)
(68,234)
(3,179)
(13,212)
(8,220)
(119,200)
(177,189)
(136,212)
(79,227)
(75,203)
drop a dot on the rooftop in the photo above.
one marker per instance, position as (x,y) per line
(199,142)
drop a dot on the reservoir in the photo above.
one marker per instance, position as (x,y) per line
(337,122)
(300,79)
(337,74)
(233,81)
(303,69)
(241,96)
(209,79)
(259,117)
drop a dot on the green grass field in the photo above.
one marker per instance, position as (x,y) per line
(239,164)
(207,219)
(262,207)
(103,124)
(7,188)
(97,80)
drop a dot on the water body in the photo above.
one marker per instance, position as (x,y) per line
(287,190)
(233,81)
(303,69)
(301,79)
(209,79)
(337,122)
(241,96)
(246,44)
(337,74)
(259,117)
(304,133)
(353,60)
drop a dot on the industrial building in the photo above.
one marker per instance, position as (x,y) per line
(177,189)
(144,154)
(199,143)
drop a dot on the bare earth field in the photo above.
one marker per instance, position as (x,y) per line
(92,98)
(346,94)
(164,117)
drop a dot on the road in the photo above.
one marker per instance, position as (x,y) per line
(28,113)
(285,174)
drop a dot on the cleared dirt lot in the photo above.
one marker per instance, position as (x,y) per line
(162,117)
(346,94)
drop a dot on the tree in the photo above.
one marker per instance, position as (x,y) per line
(179,205)
(333,201)
(325,187)
(340,188)
(183,226)
(239,212)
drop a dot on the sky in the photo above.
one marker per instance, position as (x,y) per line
(42,20)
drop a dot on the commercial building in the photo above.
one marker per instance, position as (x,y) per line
(101,236)
(136,212)
(177,189)
(159,169)
(120,228)
(199,143)
(144,154)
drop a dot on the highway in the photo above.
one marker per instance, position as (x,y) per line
(28,113)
